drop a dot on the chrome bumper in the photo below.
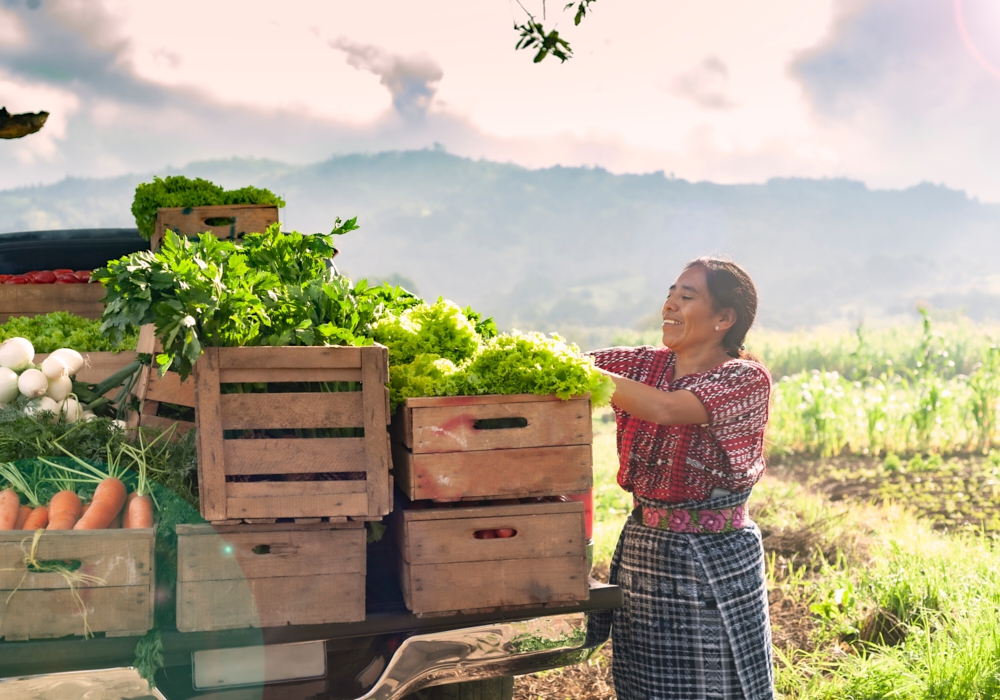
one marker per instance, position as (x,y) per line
(436,658)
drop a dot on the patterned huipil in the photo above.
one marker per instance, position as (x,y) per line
(695,622)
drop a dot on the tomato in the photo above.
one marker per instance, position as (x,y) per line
(44,277)
(505,532)
(3,278)
(67,279)
(63,270)
(17,279)
(83,275)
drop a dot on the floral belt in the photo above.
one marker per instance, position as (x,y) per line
(693,521)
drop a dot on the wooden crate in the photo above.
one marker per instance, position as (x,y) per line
(189,221)
(37,299)
(445,568)
(445,448)
(269,575)
(43,606)
(152,390)
(248,478)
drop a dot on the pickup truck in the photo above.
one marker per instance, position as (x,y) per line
(392,654)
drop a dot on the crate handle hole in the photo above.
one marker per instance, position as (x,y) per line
(59,565)
(220,221)
(262,549)
(501,533)
(500,423)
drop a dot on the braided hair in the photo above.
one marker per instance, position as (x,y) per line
(730,287)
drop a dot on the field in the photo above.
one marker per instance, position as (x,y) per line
(880,514)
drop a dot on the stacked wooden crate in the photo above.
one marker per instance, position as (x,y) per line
(37,299)
(519,454)
(277,498)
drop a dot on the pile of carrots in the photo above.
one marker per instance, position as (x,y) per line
(110,507)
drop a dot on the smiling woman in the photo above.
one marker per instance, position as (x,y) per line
(691,419)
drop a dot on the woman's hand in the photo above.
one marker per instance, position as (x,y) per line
(651,404)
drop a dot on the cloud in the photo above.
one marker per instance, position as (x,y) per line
(706,84)
(410,79)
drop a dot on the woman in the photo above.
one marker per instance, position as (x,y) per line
(691,419)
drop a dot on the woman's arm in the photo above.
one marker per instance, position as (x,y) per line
(663,407)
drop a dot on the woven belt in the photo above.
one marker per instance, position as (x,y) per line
(692,521)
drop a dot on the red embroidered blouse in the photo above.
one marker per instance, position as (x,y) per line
(676,463)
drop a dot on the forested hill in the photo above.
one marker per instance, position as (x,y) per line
(580,247)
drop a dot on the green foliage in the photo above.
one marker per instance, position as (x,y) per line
(534,36)
(61,329)
(275,289)
(179,191)
(440,329)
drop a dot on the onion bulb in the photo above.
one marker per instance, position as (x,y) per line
(59,388)
(16,354)
(43,404)
(54,367)
(71,358)
(8,385)
(70,410)
(32,383)
(87,416)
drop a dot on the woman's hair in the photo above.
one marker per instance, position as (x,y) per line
(730,287)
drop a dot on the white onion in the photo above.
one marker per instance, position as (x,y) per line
(8,385)
(70,410)
(43,404)
(54,367)
(120,424)
(88,416)
(16,353)
(59,388)
(71,358)
(32,383)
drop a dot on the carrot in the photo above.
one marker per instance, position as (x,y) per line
(109,497)
(64,510)
(139,511)
(39,518)
(22,515)
(10,504)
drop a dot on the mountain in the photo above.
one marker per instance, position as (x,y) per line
(574,249)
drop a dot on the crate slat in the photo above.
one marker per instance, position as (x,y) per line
(306,410)
(37,299)
(302,506)
(188,221)
(211,457)
(261,489)
(290,358)
(375,373)
(315,374)
(302,456)
(532,471)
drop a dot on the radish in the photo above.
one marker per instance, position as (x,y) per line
(32,383)
(43,404)
(71,358)
(54,367)
(16,353)
(59,388)
(70,410)
(8,385)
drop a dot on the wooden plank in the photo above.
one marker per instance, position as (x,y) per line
(211,460)
(549,424)
(315,374)
(484,400)
(149,419)
(532,471)
(46,614)
(189,221)
(119,557)
(307,410)
(237,526)
(267,553)
(290,358)
(170,389)
(300,506)
(36,299)
(146,343)
(98,366)
(507,582)
(477,511)
(373,370)
(261,489)
(450,541)
(300,456)
(270,602)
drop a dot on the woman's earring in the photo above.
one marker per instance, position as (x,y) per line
(716,328)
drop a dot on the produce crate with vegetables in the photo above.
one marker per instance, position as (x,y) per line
(472,558)
(269,575)
(43,291)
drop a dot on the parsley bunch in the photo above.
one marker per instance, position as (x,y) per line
(179,191)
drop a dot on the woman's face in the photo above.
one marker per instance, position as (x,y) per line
(688,318)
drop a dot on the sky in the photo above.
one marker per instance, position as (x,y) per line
(889,92)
